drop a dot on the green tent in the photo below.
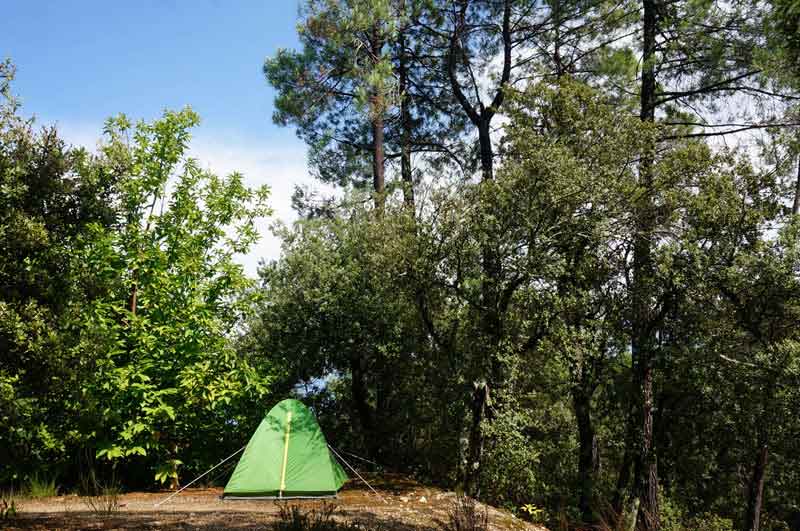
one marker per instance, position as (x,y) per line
(287,457)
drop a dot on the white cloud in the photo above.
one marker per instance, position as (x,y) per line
(279,166)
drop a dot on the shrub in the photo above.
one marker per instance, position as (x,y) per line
(102,498)
(710,522)
(293,518)
(8,506)
(465,515)
(41,487)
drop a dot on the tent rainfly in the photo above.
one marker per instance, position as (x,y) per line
(287,457)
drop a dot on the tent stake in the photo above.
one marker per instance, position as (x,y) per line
(357,474)
(198,477)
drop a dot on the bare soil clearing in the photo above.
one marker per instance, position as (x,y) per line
(408,506)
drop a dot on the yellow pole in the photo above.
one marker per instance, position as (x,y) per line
(285,453)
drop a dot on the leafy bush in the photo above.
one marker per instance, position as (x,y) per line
(41,487)
(672,516)
(465,515)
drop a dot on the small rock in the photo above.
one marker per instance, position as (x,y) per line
(423,499)
(403,499)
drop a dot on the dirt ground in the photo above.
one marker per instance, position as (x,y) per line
(407,506)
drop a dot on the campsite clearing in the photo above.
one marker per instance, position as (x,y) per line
(409,506)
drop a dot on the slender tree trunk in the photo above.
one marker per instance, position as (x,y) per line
(587,447)
(360,394)
(405,119)
(643,341)
(480,115)
(378,184)
(132,302)
(755,496)
(648,481)
(796,206)
(480,399)
(623,478)
(377,110)
(487,155)
(134,295)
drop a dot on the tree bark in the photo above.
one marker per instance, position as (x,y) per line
(796,206)
(378,184)
(406,172)
(132,300)
(623,478)
(480,400)
(487,155)
(587,439)
(479,114)
(643,340)
(360,394)
(376,109)
(755,496)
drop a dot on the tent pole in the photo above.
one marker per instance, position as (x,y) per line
(198,477)
(285,453)
(357,474)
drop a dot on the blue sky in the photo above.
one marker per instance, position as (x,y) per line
(80,62)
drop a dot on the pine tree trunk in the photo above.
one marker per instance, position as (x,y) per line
(643,341)
(485,143)
(755,496)
(481,116)
(405,120)
(376,110)
(378,185)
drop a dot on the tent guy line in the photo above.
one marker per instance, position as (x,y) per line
(199,477)
(351,454)
(356,473)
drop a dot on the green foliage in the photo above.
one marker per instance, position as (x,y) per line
(168,471)
(333,112)
(382,317)
(533,513)
(165,367)
(48,201)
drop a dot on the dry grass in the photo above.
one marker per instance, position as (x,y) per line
(465,514)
